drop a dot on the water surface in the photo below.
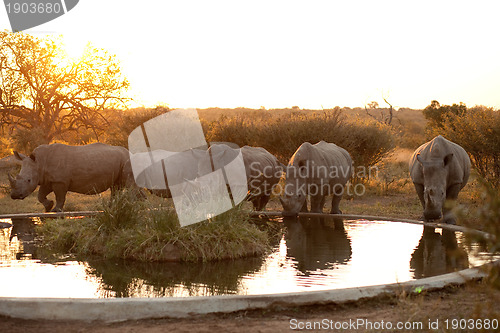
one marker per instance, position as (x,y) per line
(311,254)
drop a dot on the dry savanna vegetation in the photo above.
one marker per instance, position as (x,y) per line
(46,98)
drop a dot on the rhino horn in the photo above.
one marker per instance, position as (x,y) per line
(19,156)
(11,179)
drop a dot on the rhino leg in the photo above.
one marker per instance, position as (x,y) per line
(60,191)
(420,192)
(304,207)
(317,203)
(255,202)
(335,204)
(42,197)
(264,199)
(451,194)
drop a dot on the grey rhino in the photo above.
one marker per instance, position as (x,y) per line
(262,170)
(178,167)
(60,168)
(439,169)
(316,170)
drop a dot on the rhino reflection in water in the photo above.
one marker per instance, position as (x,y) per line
(60,168)
(317,243)
(18,241)
(438,254)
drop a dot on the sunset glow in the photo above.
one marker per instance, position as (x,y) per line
(285,53)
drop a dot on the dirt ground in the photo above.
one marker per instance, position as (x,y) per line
(426,312)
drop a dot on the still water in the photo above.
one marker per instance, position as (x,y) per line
(312,254)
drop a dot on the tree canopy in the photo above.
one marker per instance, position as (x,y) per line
(45,93)
(436,113)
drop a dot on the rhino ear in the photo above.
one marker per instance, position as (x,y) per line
(419,159)
(447,159)
(32,156)
(19,156)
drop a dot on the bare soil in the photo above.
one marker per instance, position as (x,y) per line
(473,301)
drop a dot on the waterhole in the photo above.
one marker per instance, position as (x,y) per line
(308,254)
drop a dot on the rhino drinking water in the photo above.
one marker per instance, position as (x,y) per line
(60,168)
(439,169)
(262,170)
(316,170)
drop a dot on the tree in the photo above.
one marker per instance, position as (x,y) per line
(44,93)
(437,114)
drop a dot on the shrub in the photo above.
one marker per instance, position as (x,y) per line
(367,141)
(25,140)
(478,132)
(437,114)
(486,217)
(5,146)
(138,230)
(122,122)
(489,214)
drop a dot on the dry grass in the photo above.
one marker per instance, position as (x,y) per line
(139,230)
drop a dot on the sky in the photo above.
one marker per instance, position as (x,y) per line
(311,54)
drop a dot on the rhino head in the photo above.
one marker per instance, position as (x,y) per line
(27,180)
(435,183)
(295,194)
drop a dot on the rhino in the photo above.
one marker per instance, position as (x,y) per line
(60,168)
(262,170)
(439,170)
(317,171)
(170,168)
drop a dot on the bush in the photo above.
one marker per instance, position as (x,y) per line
(366,141)
(477,130)
(25,140)
(123,122)
(130,229)
(489,214)
(485,217)
(437,114)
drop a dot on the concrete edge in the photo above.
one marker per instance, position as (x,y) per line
(117,309)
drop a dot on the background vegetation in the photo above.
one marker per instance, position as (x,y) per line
(476,129)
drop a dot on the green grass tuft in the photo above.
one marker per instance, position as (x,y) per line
(132,229)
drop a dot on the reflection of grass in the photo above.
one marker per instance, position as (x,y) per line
(132,229)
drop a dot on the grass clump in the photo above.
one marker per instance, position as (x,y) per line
(132,229)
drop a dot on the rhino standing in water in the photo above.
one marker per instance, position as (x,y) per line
(60,168)
(316,170)
(439,169)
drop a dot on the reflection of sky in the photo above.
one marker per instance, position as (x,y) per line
(381,253)
(30,278)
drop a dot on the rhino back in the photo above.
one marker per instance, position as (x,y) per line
(81,167)
(438,148)
(325,154)
(258,159)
